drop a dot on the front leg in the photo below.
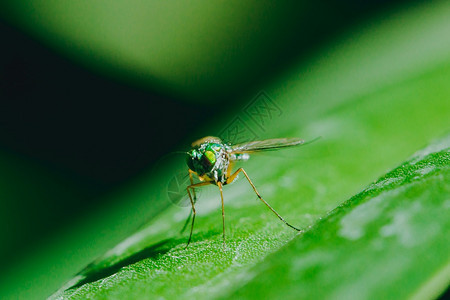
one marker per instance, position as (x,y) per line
(191,187)
(195,200)
(219,184)
(191,178)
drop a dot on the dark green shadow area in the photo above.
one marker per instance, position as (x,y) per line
(109,265)
(97,271)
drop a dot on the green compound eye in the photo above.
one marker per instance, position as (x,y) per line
(207,161)
(211,157)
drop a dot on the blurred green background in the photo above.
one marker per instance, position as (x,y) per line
(94,92)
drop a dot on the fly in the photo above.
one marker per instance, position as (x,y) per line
(212,162)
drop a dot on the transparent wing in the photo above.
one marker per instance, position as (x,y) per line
(266,145)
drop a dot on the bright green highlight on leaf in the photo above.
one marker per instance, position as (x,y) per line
(190,48)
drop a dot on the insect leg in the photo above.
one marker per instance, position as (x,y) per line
(187,222)
(192,182)
(219,184)
(192,186)
(233,177)
(195,200)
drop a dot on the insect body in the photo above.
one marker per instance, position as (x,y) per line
(212,161)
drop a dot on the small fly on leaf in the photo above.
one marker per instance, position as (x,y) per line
(212,162)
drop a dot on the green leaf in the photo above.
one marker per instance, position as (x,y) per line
(394,233)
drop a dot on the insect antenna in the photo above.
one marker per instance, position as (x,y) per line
(311,141)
